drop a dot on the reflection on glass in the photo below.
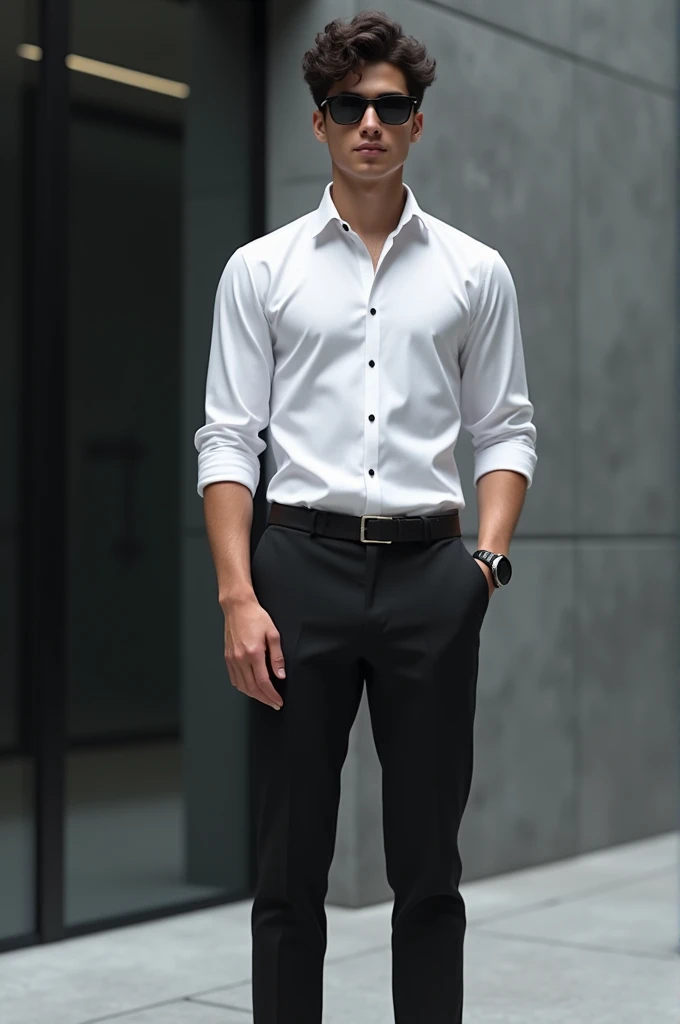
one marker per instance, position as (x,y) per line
(124,807)
(126,826)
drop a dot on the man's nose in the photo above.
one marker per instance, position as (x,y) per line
(370,119)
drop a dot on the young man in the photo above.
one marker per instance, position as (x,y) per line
(365,334)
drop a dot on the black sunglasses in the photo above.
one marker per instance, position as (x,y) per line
(348,108)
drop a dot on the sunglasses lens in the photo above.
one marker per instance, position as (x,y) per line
(347,109)
(394,109)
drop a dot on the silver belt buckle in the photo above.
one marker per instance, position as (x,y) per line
(368,540)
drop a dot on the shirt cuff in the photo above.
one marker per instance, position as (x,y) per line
(225,464)
(506,455)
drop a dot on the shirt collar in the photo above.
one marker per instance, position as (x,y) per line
(326,211)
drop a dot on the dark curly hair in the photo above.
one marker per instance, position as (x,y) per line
(370,36)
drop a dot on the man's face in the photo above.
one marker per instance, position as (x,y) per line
(343,140)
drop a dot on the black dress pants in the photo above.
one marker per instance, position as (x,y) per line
(404,618)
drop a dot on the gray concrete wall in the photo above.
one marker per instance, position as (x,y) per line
(549,134)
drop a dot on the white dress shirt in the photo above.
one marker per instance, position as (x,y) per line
(364,378)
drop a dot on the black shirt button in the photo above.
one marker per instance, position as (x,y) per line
(346,227)
(373,312)
(371,417)
(371,473)
(371,363)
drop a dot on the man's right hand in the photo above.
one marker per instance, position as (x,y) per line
(248,633)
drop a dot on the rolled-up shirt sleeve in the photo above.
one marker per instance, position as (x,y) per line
(495,406)
(238,382)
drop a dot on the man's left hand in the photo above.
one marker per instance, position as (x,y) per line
(489,575)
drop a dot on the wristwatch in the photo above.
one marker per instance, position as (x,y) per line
(501,570)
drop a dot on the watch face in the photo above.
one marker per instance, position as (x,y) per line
(504,570)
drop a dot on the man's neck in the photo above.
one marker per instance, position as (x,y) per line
(373,209)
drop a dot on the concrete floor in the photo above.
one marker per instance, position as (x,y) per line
(591,940)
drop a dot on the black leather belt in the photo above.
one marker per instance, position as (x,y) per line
(368,529)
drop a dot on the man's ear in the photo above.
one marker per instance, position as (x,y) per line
(319,126)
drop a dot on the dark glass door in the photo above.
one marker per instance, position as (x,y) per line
(124,789)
